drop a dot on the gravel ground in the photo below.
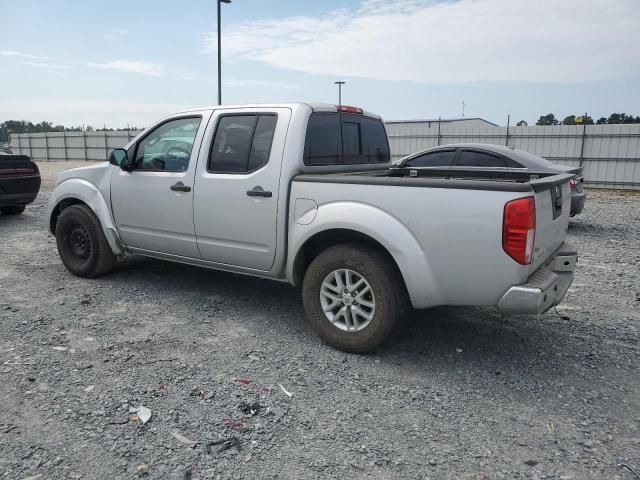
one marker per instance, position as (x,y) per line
(461,393)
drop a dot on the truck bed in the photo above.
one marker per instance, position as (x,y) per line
(455,217)
(506,181)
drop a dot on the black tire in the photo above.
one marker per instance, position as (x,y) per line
(391,301)
(13,209)
(82,246)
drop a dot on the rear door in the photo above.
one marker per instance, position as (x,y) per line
(236,188)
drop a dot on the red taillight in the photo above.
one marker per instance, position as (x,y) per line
(348,109)
(16,170)
(519,229)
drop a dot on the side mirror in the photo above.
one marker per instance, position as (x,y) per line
(119,158)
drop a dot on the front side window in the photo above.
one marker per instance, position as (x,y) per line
(168,147)
(472,158)
(242,143)
(433,159)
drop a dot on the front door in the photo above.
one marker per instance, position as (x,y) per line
(153,203)
(237,185)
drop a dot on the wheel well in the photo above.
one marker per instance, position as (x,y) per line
(57,210)
(323,240)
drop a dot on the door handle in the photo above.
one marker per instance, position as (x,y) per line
(180,187)
(258,191)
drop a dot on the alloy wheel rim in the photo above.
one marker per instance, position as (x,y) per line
(347,300)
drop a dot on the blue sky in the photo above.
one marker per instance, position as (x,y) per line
(123,62)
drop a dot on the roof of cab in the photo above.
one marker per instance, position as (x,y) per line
(315,107)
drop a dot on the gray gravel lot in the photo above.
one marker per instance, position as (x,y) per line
(461,393)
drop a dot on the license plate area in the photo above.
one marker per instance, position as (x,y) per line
(556,200)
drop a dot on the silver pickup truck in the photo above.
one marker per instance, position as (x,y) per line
(303,193)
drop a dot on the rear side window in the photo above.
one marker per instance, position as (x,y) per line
(434,159)
(472,158)
(242,143)
(345,139)
(262,140)
(510,163)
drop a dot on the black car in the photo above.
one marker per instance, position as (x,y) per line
(487,157)
(19,183)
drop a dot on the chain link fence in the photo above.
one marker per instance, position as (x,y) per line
(609,154)
(70,145)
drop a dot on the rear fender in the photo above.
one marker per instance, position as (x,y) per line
(389,232)
(86,192)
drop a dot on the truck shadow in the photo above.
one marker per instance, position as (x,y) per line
(481,343)
(472,341)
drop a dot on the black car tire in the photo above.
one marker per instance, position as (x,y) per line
(391,301)
(13,209)
(82,246)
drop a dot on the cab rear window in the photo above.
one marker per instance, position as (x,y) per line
(345,139)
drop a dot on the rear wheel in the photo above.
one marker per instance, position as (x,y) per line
(13,209)
(82,246)
(354,297)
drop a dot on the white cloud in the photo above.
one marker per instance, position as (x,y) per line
(132,66)
(13,53)
(57,69)
(451,42)
(261,83)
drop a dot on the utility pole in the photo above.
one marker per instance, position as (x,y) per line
(339,83)
(220,2)
(462,108)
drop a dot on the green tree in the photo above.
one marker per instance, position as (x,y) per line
(570,120)
(601,121)
(548,119)
(522,123)
(617,118)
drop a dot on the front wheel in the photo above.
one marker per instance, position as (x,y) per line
(354,297)
(82,246)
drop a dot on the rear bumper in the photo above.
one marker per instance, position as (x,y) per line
(577,202)
(18,190)
(545,288)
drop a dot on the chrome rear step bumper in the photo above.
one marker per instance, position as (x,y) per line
(545,288)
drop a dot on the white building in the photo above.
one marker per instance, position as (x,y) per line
(470,122)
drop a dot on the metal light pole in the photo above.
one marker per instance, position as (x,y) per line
(339,83)
(219,52)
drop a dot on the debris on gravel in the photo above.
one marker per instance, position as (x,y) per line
(239,387)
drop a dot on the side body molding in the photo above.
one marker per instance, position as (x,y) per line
(392,234)
(77,188)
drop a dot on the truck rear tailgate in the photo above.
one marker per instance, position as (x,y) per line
(553,205)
